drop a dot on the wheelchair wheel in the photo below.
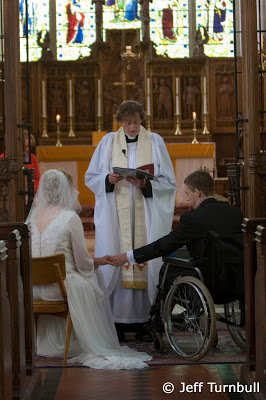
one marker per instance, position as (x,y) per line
(189,318)
(233,313)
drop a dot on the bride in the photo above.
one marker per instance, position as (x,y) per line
(56,228)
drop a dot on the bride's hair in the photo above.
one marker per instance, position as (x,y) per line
(56,191)
(52,187)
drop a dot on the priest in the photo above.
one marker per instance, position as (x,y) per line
(131,212)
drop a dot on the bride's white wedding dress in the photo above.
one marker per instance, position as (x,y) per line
(94,340)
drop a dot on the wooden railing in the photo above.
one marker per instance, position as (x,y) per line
(255,312)
(5,331)
(25,377)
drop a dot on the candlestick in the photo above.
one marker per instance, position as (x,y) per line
(71,132)
(148,122)
(178,131)
(58,143)
(205,129)
(44,114)
(44,127)
(70,113)
(194,141)
(99,118)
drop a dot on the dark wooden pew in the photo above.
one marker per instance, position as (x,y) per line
(5,331)
(16,298)
(26,275)
(252,303)
(249,229)
(19,277)
(260,308)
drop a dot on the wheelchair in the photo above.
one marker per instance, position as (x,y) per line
(184,307)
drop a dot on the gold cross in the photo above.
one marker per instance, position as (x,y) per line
(124,83)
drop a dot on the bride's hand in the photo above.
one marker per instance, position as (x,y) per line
(102,261)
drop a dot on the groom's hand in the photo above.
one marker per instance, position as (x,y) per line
(118,260)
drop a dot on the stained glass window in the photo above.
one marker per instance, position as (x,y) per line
(38,25)
(169,27)
(217,18)
(121,14)
(75,28)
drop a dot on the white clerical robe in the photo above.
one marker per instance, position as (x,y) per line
(131,305)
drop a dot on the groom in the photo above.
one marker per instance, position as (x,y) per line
(207,214)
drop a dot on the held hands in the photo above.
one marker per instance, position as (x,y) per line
(101,261)
(117,260)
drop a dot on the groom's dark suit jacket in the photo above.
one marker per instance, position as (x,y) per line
(210,215)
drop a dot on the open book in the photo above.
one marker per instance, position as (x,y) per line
(144,171)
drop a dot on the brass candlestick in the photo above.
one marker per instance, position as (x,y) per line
(44,127)
(71,132)
(99,123)
(205,129)
(58,143)
(148,122)
(178,131)
(194,141)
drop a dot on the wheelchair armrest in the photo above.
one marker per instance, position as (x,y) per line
(181,262)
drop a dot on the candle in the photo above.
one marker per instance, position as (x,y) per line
(204,95)
(148,105)
(176,86)
(148,86)
(58,119)
(99,107)
(177,104)
(43,100)
(99,87)
(99,99)
(70,98)
(194,115)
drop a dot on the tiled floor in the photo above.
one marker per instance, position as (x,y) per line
(147,384)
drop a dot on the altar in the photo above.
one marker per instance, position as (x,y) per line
(186,158)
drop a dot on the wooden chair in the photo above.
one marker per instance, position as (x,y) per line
(47,270)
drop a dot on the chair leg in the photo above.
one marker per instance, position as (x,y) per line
(68,334)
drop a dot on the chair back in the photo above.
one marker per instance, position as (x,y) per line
(43,269)
(47,270)
(222,264)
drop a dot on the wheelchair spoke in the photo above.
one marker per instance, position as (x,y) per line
(189,319)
